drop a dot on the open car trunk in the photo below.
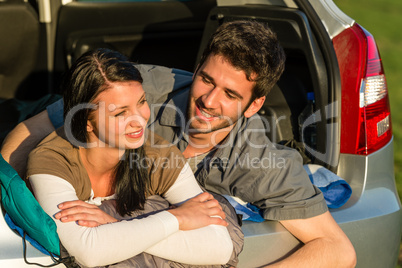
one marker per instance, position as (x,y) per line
(311,67)
(42,38)
(176,39)
(173,34)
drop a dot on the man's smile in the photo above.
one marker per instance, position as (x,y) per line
(203,115)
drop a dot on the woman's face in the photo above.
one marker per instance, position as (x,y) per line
(121,117)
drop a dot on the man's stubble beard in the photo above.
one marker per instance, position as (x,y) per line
(193,130)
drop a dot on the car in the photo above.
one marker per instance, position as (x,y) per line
(327,52)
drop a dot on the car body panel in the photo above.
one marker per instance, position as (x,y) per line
(364,219)
(332,17)
(11,249)
(373,208)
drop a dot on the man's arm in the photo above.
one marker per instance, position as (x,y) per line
(325,244)
(23,139)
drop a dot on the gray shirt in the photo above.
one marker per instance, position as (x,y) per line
(246,165)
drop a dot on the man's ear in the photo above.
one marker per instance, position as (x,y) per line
(195,72)
(254,107)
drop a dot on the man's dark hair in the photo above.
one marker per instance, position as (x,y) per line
(93,73)
(252,47)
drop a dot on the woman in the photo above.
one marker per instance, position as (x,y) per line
(104,152)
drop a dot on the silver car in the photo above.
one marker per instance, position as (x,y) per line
(327,54)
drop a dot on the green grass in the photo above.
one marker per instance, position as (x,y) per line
(382,18)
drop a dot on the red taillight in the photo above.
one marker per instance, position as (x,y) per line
(366,117)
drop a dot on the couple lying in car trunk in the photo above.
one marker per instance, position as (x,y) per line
(111,126)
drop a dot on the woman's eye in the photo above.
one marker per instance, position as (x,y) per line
(143,101)
(119,114)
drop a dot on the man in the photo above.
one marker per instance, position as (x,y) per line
(218,131)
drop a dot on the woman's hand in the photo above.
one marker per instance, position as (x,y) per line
(200,211)
(83,213)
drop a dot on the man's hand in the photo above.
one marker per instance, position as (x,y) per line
(83,213)
(200,211)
